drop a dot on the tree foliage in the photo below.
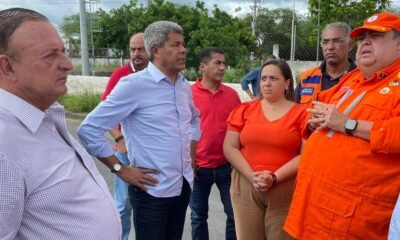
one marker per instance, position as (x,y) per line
(200,29)
(204,28)
(352,12)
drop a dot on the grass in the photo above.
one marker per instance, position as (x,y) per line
(80,102)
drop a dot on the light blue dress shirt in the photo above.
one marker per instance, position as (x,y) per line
(394,230)
(50,187)
(158,121)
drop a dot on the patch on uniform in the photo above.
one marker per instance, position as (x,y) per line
(308,91)
(384,90)
(398,75)
(372,19)
(394,83)
(345,88)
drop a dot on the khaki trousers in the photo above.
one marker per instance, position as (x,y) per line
(260,216)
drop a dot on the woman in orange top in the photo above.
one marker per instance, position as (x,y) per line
(263,144)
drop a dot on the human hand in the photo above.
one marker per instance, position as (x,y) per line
(262,181)
(138,176)
(122,146)
(326,116)
(195,167)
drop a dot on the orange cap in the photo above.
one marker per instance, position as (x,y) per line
(381,22)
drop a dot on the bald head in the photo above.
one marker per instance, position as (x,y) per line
(138,53)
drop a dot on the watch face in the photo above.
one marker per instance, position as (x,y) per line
(117,167)
(351,124)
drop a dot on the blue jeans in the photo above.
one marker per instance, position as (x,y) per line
(205,178)
(158,218)
(121,198)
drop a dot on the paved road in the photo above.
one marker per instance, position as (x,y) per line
(216,221)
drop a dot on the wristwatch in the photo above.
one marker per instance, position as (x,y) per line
(116,168)
(350,126)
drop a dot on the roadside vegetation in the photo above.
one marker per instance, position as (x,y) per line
(80,102)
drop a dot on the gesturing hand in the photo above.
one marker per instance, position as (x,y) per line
(138,176)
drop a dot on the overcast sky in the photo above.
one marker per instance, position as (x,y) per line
(55,10)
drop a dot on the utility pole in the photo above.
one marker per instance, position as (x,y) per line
(318,27)
(293,39)
(94,26)
(254,7)
(84,39)
(254,22)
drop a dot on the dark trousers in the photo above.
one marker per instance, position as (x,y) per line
(205,178)
(159,218)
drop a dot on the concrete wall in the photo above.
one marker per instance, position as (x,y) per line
(98,84)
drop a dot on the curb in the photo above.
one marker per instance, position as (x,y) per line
(74,115)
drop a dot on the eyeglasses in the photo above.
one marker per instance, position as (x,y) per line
(334,41)
(371,35)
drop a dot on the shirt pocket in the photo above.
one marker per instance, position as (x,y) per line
(375,108)
(334,214)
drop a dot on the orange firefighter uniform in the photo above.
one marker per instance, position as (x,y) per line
(347,187)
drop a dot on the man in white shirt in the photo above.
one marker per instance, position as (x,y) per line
(50,187)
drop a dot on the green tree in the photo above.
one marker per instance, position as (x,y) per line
(200,29)
(349,11)
(275,27)
(70,30)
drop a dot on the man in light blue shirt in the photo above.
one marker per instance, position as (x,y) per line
(161,127)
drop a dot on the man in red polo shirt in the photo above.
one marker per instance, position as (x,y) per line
(138,61)
(215,101)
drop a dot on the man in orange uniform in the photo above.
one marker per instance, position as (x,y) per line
(349,173)
(336,46)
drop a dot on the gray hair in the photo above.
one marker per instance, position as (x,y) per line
(346,29)
(13,18)
(156,34)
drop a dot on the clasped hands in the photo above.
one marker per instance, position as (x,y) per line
(326,116)
(262,181)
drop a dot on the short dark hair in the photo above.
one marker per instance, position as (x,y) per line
(287,74)
(11,19)
(206,54)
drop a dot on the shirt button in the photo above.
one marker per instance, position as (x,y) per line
(381,129)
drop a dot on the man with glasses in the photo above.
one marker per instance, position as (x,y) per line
(348,180)
(336,46)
